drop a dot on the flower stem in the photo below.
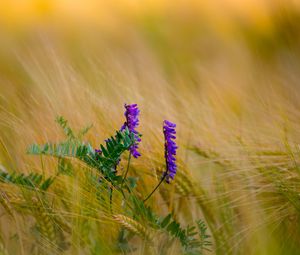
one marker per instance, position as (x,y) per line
(162,179)
(110,199)
(125,175)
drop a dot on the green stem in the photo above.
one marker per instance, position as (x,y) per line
(162,179)
(110,199)
(125,175)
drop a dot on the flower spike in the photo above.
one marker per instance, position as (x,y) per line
(132,122)
(170,150)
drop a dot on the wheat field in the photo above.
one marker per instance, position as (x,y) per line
(226,72)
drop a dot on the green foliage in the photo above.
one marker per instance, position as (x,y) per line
(187,236)
(132,182)
(66,128)
(33,180)
(106,161)
(64,167)
(64,149)
(205,243)
(193,239)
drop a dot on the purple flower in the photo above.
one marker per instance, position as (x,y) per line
(132,122)
(98,151)
(170,150)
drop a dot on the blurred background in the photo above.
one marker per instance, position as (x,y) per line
(226,71)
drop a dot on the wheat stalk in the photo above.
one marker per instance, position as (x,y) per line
(134,226)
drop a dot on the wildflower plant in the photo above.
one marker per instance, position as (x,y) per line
(136,217)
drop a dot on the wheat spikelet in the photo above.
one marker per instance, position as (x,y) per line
(183,183)
(44,221)
(62,223)
(165,195)
(10,196)
(133,226)
(5,203)
(14,198)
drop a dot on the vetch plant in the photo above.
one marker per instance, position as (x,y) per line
(136,217)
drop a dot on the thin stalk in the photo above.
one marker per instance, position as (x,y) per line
(110,199)
(125,175)
(162,179)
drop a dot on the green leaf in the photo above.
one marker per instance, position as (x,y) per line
(104,151)
(166,221)
(84,131)
(46,184)
(65,126)
(33,180)
(64,167)
(132,181)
